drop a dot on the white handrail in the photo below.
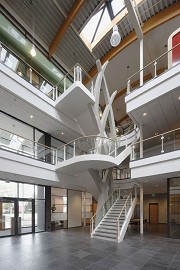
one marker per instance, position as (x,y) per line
(161,140)
(154,62)
(110,197)
(124,207)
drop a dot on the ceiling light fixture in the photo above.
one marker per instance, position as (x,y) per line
(144,114)
(62,133)
(179,97)
(33,51)
(115,37)
(31,116)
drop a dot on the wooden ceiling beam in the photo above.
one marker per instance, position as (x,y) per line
(63,28)
(160,18)
(122,119)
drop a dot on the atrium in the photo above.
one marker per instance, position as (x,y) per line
(90,134)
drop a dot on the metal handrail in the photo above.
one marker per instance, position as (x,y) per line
(71,69)
(155,60)
(91,221)
(91,136)
(129,131)
(124,205)
(68,73)
(51,148)
(3,45)
(117,221)
(158,135)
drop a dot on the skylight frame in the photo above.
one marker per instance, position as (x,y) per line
(115,19)
(105,6)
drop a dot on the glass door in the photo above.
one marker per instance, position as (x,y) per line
(25,216)
(7,217)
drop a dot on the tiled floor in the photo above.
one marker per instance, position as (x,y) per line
(73,249)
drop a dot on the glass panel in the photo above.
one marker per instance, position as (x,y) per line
(117,6)
(26,191)
(40,151)
(16,127)
(59,200)
(27,73)
(25,217)
(39,215)
(7,221)
(8,189)
(58,191)
(58,208)
(174,208)
(105,21)
(90,28)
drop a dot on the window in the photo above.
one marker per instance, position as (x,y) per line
(101,22)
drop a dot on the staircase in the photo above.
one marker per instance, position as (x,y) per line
(114,223)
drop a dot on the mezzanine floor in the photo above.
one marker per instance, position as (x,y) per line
(73,249)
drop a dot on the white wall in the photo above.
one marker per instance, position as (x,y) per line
(161,199)
(161,164)
(74,208)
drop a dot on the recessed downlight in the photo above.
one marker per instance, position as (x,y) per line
(179,97)
(62,133)
(31,116)
(144,114)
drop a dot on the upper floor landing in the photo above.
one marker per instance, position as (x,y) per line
(155,103)
(25,92)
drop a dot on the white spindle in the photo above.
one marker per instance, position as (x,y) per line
(65,152)
(162,144)
(56,157)
(155,69)
(0,52)
(128,86)
(30,75)
(74,149)
(64,84)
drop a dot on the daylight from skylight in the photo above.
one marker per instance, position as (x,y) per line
(101,19)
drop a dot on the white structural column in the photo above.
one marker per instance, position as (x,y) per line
(133,17)
(84,220)
(141,209)
(141,142)
(141,61)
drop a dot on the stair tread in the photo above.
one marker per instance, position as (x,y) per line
(106,235)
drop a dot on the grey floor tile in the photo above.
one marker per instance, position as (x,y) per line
(82,263)
(117,257)
(135,261)
(175,265)
(124,266)
(107,262)
(81,254)
(96,267)
(93,258)
(152,266)
(74,249)
(161,261)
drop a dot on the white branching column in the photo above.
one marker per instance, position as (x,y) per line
(104,185)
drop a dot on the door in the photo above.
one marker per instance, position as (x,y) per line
(7,217)
(25,216)
(153,213)
(17,216)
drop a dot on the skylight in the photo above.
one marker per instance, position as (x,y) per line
(100,21)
